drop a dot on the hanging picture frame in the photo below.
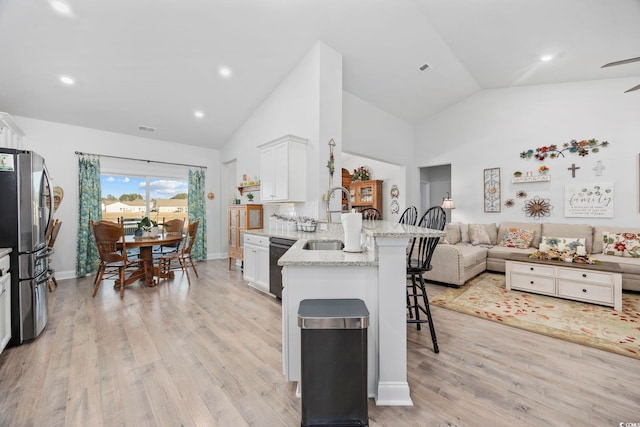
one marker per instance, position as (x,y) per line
(491,179)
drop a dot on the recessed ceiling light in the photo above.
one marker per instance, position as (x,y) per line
(61,7)
(199,114)
(224,72)
(546,58)
(67,80)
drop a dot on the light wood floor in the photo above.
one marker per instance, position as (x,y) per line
(210,355)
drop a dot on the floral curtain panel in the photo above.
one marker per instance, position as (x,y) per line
(89,194)
(197,210)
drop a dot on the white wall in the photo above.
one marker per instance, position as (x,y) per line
(57,143)
(308,104)
(492,127)
(375,134)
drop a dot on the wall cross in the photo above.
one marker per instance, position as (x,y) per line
(573,169)
(598,168)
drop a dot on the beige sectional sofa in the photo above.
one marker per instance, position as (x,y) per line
(457,259)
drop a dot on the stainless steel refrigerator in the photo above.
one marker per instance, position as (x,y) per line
(26,208)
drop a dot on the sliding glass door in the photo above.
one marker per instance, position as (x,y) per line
(133,197)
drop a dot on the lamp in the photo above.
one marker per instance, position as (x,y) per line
(447,202)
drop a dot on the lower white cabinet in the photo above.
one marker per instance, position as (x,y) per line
(256,261)
(5,302)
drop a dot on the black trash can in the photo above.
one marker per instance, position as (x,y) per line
(334,362)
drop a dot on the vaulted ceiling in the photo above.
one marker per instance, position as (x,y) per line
(155,62)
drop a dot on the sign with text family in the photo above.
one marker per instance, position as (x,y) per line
(588,200)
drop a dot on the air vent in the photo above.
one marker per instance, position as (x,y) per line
(146,128)
(423,68)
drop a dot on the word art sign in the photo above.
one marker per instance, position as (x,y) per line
(588,200)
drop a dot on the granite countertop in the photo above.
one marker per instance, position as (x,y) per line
(5,251)
(368,257)
(298,256)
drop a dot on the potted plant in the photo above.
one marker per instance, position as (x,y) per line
(148,227)
(250,197)
(145,225)
(360,174)
(517,174)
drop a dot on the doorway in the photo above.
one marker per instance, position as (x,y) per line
(435,184)
(393,177)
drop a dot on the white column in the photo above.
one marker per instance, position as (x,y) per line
(393,388)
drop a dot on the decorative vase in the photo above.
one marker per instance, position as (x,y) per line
(154,232)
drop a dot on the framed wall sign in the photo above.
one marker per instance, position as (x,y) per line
(492,190)
(588,200)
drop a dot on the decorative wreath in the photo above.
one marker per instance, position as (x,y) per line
(537,207)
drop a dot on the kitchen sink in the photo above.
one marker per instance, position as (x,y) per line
(323,245)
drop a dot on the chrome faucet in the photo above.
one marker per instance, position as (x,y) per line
(331,191)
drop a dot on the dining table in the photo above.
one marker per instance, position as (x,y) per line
(146,244)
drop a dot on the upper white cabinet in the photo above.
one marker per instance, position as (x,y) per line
(282,169)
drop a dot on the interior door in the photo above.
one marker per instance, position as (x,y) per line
(425,195)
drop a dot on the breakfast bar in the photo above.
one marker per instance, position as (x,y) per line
(377,276)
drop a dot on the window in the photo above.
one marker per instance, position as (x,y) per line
(132,197)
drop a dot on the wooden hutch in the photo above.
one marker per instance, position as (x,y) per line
(366,194)
(239,219)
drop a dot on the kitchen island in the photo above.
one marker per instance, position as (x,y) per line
(377,276)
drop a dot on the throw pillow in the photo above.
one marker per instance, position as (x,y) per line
(492,230)
(517,238)
(478,235)
(561,243)
(453,233)
(464,233)
(621,244)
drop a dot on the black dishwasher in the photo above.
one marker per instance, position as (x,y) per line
(277,248)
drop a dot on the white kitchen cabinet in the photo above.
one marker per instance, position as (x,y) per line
(256,261)
(5,302)
(282,169)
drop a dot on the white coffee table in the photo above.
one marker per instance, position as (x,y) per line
(592,283)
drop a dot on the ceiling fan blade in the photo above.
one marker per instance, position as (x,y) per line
(632,89)
(624,61)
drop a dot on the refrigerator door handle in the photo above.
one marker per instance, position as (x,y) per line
(51,197)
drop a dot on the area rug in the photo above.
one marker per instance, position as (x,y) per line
(592,325)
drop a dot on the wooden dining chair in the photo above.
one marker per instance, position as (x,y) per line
(112,250)
(174,226)
(371,214)
(182,256)
(52,235)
